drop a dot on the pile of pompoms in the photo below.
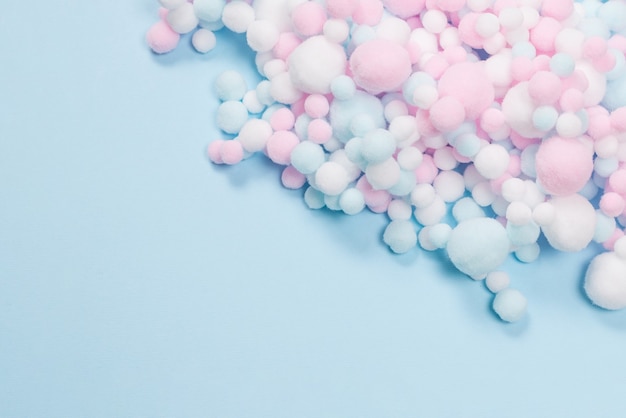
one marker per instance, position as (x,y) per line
(476,126)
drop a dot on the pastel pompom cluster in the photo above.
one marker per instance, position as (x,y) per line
(476,126)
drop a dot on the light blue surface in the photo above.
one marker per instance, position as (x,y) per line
(138,280)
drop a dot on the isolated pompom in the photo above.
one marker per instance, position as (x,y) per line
(510,304)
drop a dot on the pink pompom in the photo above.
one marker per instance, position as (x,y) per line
(161,38)
(341,9)
(282,119)
(376,200)
(470,85)
(308,18)
(541,63)
(231,152)
(617,181)
(213,151)
(515,165)
(617,42)
(599,124)
(467,31)
(544,34)
(287,42)
(612,204)
(319,131)
(522,68)
(522,142)
(436,66)
(604,63)
(292,178)
(544,87)
(424,124)
(455,54)
(316,106)
(279,146)
(368,12)
(563,165)
(447,114)
(427,170)
(558,9)
(572,100)
(380,66)
(618,119)
(594,47)
(492,120)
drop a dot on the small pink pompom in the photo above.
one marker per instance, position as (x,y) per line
(308,18)
(213,151)
(618,119)
(287,42)
(612,204)
(279,146)
(427,170)
(292,178)
(231,152)
(282,119)
(543,35)
(319,131)
(544,87)
(161,38)
(447,114)
(368,12)
(316,106)
(558,9)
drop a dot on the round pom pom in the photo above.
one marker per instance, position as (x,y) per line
(447,114)
(308,18)
(510,305)
(203,40)
(605,281)
(209,10)
(262,35)
(400,236)
(161,38)
(497,281)
(183,19)
(383,175)
(307,157)
(478,246)
(331,178)
(231,116)
(574,223)
(470,85)
(237,16)
(492,161)
(352,201)
(230,85)
(315,63)
(563,165)
(292,178)
(380,65)
(280,146)
(231,152)
(399,210)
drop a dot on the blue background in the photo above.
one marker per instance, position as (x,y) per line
(139,280)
